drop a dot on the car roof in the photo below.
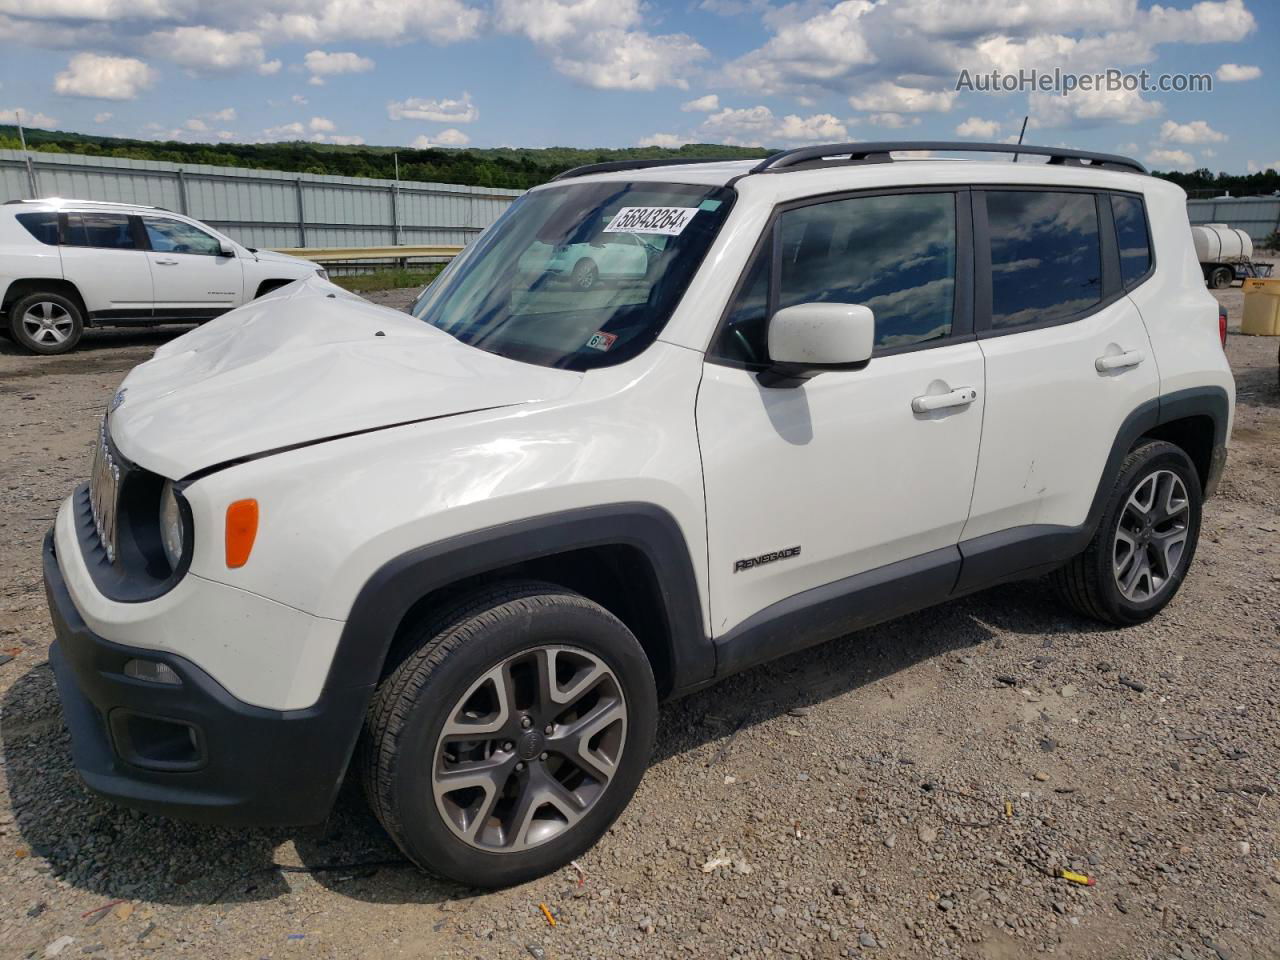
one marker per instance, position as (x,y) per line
(67,203)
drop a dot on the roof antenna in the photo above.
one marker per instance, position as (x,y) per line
(26,157)
(1021,134)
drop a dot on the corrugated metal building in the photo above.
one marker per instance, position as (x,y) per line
(268,208)
(1257,216)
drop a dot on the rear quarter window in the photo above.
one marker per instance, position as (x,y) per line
(42,226)
(1133,238)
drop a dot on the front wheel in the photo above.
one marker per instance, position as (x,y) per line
(512,737)
(1144,543)
(46,323)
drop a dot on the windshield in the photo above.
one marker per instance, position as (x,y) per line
(580,276)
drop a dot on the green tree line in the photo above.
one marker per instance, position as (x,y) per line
(510,167)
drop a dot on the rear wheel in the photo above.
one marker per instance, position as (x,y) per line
(46,323)
(1144,543)
(511,738)
(585,274)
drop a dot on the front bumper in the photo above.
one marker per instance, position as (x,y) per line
(192,750)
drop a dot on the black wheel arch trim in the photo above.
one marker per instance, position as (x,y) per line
(400,583)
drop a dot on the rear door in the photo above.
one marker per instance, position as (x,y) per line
(1067,358)
(102,254)
(193,280)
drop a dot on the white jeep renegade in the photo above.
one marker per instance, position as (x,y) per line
(69,264)
(469,550)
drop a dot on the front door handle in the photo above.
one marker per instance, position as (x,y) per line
(166,263)
(1119,361)
(959,397)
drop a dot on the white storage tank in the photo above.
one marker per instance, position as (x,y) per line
(1219,243)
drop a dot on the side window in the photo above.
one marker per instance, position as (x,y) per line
(42,226)
(110,230)
(895,254)
(1046,263)
(1132,237)
(174,236)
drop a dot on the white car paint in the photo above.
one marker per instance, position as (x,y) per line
(140,284)
(466,440)
(624,258)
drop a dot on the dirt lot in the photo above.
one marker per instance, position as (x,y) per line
(885,794)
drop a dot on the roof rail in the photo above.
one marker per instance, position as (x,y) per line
(879,152)
(70,201)
(616,165)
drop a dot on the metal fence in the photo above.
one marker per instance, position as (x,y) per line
(267,208)
(1257,216)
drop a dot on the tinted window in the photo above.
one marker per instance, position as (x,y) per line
(174,236)
(99,230)
(1045,260)
(42,226)
(1131,237)
(894,254)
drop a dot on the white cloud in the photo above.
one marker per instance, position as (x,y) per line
(701,105)
(321,125)
(196,125)
(595,42)
(1161,159)
(321,64)
(103,117)
(977,127)
(1090,108)
(269,68)
(1197,131)
(208,48)
(389,21)
(225,115)
(28,117)
(299,99)
(894,121)
(441,110)
(286,131)
(103,78)
(887,95)
(1237,73)
(343,140)
(451,137)
(1261,168)
(758,126)
(669,140)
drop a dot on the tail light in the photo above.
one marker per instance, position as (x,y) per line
(1222,325)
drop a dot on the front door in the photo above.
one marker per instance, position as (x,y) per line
(810,486)
(193,280)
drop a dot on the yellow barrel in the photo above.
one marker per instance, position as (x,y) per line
(1261,307)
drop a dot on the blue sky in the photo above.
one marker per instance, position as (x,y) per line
(626,72)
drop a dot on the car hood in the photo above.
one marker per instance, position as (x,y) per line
(271,256)
(312,364)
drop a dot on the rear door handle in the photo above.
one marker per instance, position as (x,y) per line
(1119,361)
(166,263)
(960,397)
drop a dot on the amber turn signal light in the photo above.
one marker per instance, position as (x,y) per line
(242,527)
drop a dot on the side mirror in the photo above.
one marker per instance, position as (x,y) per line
(225,249)
(811,338)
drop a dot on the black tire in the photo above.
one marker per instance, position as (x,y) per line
(1221,278)
(1088,583)
(453,649)
(64,315)
(585,274)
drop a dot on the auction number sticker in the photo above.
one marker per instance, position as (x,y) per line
(602,341)
(667,220)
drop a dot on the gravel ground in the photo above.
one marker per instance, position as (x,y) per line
(907,791)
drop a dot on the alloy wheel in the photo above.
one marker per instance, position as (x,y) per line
(47,322)
(1151,537)
(530,748)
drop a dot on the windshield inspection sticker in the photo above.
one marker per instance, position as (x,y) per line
(602,341)
(668,220)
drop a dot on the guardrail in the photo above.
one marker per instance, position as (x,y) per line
(334,254)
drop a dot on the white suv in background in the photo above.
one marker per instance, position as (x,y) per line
(68,264)
(467,551)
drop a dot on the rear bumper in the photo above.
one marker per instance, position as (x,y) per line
(192,750)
